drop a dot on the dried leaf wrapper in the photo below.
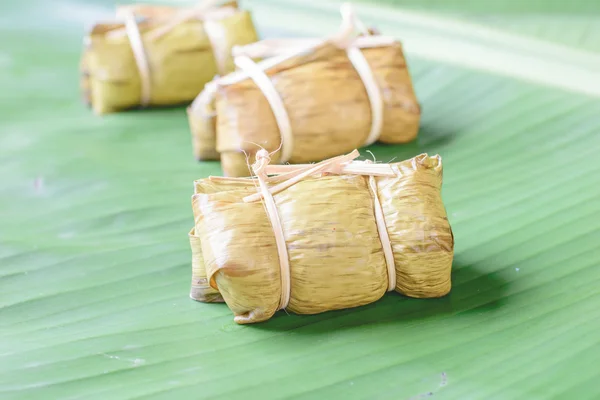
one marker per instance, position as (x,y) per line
(324,97)
(334,243)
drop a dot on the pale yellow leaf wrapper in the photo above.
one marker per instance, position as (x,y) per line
(181,60)
(335,253)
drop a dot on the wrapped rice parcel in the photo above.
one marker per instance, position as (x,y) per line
(160,55)
(311,98)
(319,237)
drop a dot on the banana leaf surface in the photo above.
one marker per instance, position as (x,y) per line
(94,214)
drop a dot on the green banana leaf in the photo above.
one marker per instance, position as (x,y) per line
(94,215)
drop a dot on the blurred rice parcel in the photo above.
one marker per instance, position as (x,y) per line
(160,55)
(318,237)
(311,98)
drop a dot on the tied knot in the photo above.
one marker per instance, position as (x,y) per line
(263,155)
(262,160)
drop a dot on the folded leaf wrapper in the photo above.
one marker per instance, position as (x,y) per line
(337,223)
(334,95)
(161,55)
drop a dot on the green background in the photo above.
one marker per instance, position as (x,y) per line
(94,214)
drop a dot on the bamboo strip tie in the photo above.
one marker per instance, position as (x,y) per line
(265,84)
(141,59)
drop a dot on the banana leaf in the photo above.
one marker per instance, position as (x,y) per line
(95,211)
